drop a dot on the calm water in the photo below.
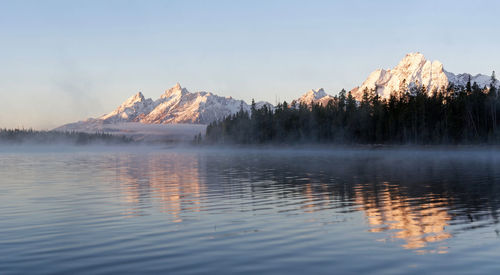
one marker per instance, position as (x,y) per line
(221,211)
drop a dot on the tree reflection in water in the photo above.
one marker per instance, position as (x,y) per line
(415,197)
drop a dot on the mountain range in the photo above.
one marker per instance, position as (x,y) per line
(415,70)
(179,106)
(176,106)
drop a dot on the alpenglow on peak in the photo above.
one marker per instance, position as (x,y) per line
(415,70)
(176,105)
(314,96)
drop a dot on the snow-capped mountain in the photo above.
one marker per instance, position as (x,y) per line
(315,96)
(130,110)
(414,69)
(176,105)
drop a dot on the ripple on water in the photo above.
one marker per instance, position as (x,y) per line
(248,212)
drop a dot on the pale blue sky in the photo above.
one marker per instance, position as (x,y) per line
(62,61)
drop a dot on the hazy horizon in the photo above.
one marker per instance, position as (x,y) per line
(67,61)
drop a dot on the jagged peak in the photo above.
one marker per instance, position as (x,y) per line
(414,55)
(416,59)
(175,90)
(138,97)
(315,94)
(413,69)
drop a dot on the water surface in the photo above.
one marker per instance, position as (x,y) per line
(244,211)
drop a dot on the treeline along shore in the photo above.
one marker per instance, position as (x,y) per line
(30,136)
(454,115)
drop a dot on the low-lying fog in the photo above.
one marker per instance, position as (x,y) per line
(400,153)
(346,208)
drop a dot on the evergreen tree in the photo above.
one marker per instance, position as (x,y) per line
(457,114)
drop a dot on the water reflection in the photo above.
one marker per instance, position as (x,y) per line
(412,197)
(245,211)
(417,200)
(417,224)
(171,184)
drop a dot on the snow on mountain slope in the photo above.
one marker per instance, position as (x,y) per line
(414,69)
(130,110)
(314,96)
(462,79)
(261,104)
(176,105)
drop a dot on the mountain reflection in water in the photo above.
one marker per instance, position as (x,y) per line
(172,183)
(250,211)
(413,196)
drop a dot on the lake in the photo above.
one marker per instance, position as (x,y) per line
(220,211)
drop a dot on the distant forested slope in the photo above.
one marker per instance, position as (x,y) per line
(20,136)
(461,115)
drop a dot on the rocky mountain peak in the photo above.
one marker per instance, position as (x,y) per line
(413,70)
(315,96)
(411,60)
(138,97)
(176,90)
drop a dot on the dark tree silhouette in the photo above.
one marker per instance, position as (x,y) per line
(17,136)
(412,115)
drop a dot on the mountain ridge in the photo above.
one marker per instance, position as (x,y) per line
(415,70)
(175,106)
(178,105)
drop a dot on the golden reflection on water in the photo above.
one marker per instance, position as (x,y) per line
(417,224)
(315,199)
(171,185)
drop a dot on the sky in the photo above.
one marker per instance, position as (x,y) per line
(64,61)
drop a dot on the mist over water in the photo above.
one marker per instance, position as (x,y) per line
(188,211)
